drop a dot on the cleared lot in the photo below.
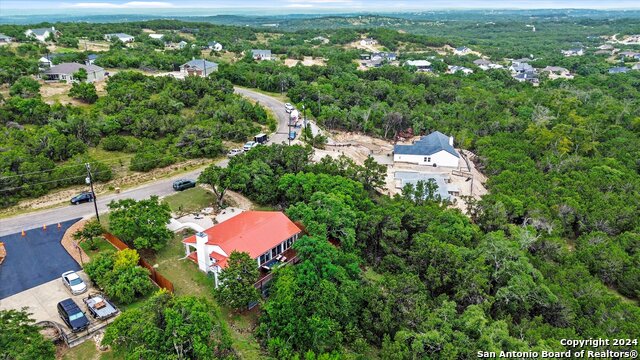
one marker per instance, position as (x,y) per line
(34,259)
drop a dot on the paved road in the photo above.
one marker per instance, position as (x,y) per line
(277,107)
(161,187)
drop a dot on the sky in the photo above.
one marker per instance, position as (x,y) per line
(301,6)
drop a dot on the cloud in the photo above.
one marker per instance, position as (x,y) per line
(299,6)
(128,5)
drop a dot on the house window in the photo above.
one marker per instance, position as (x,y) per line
(285,244)
(273,252)
(265,257)
(279,248)
(427,159)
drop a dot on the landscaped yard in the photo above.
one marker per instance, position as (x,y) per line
(190,201)
(187,279)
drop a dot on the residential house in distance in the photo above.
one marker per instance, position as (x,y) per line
(485,65)
(520,66)
(388,56)
(182,44)
(41,34)
(628,54)
(618,70)
(4,39)
(261,54)
(44,62)
(461,51)
(452,69)
(605,47)
(368,42)
(445,190)
(156,36)
(573,52)
(125,38)
(198,67)
(420,65)
(636,66)
(264,235)
(214,45)
(91,58)
(435,149)
(65,72)
(557,72)
(528,76)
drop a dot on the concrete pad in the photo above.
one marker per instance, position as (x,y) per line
(228,213)
(41,301)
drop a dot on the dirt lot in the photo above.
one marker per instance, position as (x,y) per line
(308,61)
(370,48)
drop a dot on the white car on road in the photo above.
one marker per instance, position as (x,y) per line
(288,107)
(249,145)
(73,282)
(234,152)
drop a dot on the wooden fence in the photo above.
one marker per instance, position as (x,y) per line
(155,276)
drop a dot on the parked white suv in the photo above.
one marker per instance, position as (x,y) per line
(249,145)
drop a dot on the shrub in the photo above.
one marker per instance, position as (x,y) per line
(114,143)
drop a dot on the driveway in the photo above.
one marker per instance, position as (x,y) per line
(34,259)
(276,106)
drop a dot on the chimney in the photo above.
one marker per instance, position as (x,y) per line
(203,254)
(451,140)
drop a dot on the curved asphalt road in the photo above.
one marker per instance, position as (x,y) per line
(160,188)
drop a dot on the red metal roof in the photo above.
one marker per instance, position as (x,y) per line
(253,232)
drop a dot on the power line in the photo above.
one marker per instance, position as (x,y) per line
(64,167)
(62,179)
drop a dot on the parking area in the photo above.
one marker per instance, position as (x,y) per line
(41,300)
(34,259)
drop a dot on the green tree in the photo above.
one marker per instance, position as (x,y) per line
(237,280)
(171,327)
(80,75)
(26,87)
(220,179)
(119,274)
(20,339)
(85,92)
(141,223)
(89,232)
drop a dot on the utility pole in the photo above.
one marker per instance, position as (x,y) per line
(90,181)
(204,66)
(289,133)
(304,120)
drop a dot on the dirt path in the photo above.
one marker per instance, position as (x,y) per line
(237,200)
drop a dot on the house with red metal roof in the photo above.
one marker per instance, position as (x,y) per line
(264,235)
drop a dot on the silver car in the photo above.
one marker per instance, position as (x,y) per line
(74,282)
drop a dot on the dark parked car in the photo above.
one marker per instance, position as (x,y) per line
(183,184)
(71,314)
(82,198)
(261,138)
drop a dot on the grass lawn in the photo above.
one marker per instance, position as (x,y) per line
(102,245)
(190,200)
(88,351)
